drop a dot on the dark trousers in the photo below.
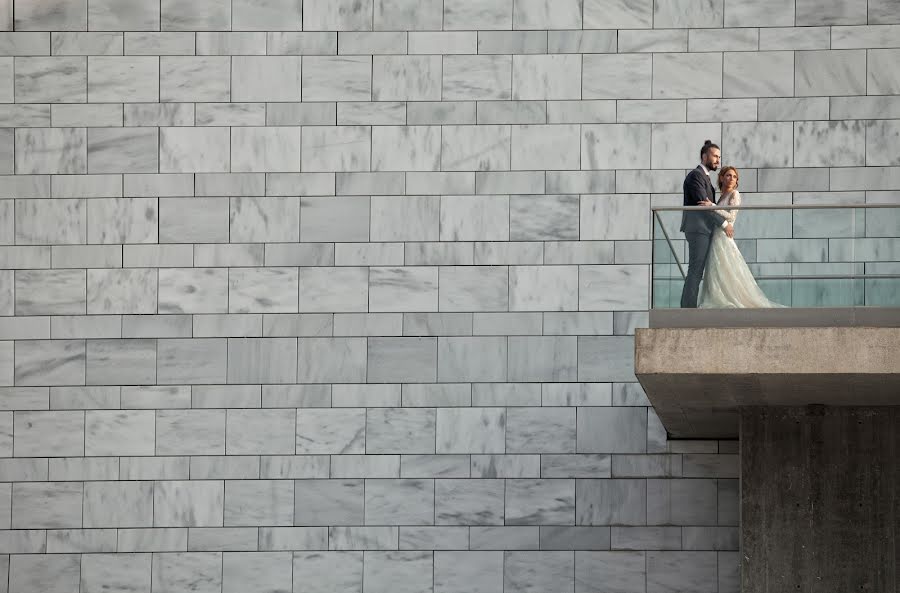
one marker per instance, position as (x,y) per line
(698,248)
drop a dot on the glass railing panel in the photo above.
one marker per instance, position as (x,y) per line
(800,255)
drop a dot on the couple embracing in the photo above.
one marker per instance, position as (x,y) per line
(712,251)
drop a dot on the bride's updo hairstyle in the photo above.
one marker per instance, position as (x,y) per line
(726,170)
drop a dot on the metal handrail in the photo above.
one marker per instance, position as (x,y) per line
(775,207)
(811,277)
(671,247)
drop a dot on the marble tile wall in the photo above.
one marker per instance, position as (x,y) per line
(339,295)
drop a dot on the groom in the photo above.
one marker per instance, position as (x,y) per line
(698,225)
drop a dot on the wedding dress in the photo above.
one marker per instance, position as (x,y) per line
(727,281)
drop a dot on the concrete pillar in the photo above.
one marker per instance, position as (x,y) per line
(820,499)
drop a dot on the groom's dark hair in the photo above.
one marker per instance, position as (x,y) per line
(706,146)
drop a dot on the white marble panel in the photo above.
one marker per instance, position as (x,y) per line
(758,144)
(830,12)
(120,572)
(742,74)
(265,78)
(123,150)
(55,15)
(674,145)
(122,15)
(49,222)
(231,114)
(187,571)
(50,80)
(258,149)
(475,148)
(340,78)
(543,288)
(408,15)
(615,217)
(682,76)
(883,74)
(45,433)
(123,79)
(262,290)
(362,113)
(189,78)
(113,362)
(547,14)
(331,431)
(51,150)
(122,220)
(190,150)
(477,14)
(406,148)
(200,15)
(267,15)
(33,573)
(759,13)
(688,13)
(405,218)
(265,220)
(543,218)
(193,290)
(795,38)
(615,146)
(547,77)
(829,144)
(406,78)
(335,219)
(613,288)
(837,72)
(337,15)
(337,148)
(881,138)
(536,147)
(188,504)
(474,218)
(477,78)
(402,289)
(334,290)
(618,14)
(121,291)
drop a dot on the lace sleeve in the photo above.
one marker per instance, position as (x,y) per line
(732,199)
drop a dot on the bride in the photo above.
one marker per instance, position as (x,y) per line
(727,281)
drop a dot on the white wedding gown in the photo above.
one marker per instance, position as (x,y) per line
(727,281)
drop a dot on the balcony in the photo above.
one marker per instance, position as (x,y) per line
(836,268)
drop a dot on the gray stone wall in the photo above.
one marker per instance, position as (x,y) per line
(338,296)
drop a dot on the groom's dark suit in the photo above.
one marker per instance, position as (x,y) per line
(697,227)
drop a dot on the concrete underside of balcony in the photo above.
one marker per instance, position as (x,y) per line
(699,367)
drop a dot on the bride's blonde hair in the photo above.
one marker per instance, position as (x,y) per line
(726,170)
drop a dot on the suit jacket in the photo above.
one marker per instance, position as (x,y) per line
(697,187)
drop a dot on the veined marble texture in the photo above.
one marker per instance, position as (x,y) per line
(335,219)
(269,78)
(123,79)
(337,148)
(741,74)
(758,144)
(615,146)
(477,14)
(880,137)
(204,15)
(132,150)
(262,290)
(547,77)
(131,15)
(49,222)
(122,291)
(189,78)
(403,289)
(50,362)
(261,149)
(475,148)
(883,76)
(51,150)
(189,150)
(682,76)
(406,148)
(51,80)
(841,143)
(265,220)
(271,15)
(193,290)
(477,78)
(406,78)
(408,15)
(836,72)
(42,292)
(340,78)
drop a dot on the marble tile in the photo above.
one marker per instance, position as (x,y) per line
(122,150)
(123,79)
(187,571)
(406,148)
(118,504)
(404,572)
(73,541)
(272,15)
(617,571)
(538,571)
(671,73)
(741,74)
(265,78)
(408,15)
(55,15)
(197,220)
(363,113)
(475,148)
(339,15)
(333,289)
(512,42)
(121,291)
(51,150)
(477,78)
(688,13)
(331,360)
(697,571)
(259,502)
(830,12)
(395,430)
(262,572)
(616,502)
(547,77)
(469,502)
(337,148)
(404,502)
(471,359)
(193,290)
(262,290)
(837,72)
(540,430)
(24,116)
(189,78)
(231,114)
(45,433)
(473,288)
(221,539)
(330,219)
(615,146)
(262,360)
(615,217)
(203,15)
(618,14)
(329,502)
(114,362)
(883,76)
(468,572)
(880,136)
(265,149)
(119,433)
(335,572)
(293,538)
(121,572)
(762,13)
(86,44)
(341,78)
(122,220)
(472,218)
(528,288)
(50,80)
(663,40)
(118,15)
(188,504)
(830,144)
(545,147)
(50,222)
(758,144)
(541,218)
(190,432)
(190,150)
(407,359)
(44,362)
(260,220)
(331,431)
(540,502)
(56,573)
(403,289)
(883,12)
(191,361)
(361,43)
(299,44)
(231,44)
